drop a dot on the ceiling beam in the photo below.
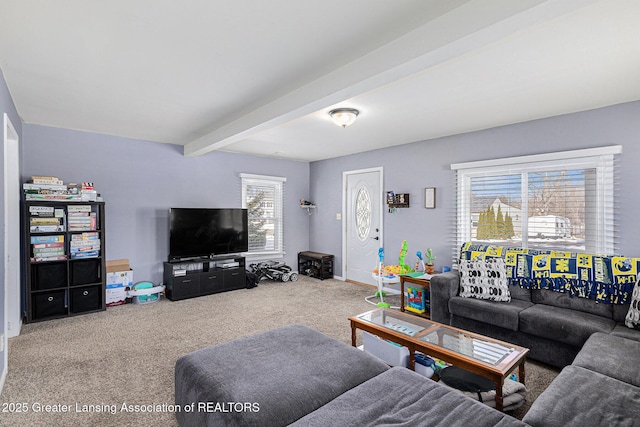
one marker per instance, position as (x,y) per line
(471,26)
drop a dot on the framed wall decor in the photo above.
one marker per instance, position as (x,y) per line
(430,197)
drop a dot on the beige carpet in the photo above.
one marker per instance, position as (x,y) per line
(108,362)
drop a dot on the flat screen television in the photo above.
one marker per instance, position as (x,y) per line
(196,232)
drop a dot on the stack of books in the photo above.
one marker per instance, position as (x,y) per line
(80,218)
(47,248)
(53,188)
(48,188)
(85,245)
(46,219)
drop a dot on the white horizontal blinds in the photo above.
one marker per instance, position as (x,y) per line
(496,207)
(263,197)
(562,201)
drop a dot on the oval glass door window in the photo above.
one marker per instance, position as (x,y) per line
(363,213)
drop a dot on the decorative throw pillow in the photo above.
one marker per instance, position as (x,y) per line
(484,279)
(633,315)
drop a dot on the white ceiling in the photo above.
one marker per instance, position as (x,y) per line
(259,77)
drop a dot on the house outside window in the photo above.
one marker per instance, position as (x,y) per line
(562,201)
(263,197)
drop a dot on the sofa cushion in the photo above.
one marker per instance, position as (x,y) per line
(620,312)
(484,279)
(613,356)
(562,324)
(580,397)
(621,330)
(288,372)
(565,300)
(401,397)
(519,292)
(503,314)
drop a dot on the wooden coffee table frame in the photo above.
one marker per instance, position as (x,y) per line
(496,373)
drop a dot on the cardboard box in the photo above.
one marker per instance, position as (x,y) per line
(119,281)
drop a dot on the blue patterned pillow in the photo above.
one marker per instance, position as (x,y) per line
(484,279)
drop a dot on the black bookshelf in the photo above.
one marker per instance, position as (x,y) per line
(64,259)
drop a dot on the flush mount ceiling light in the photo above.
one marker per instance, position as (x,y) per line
(344,116)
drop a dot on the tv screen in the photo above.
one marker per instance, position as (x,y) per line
(197,232)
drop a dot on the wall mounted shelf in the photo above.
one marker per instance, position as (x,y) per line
(309,208)
(395,201)
(305,204)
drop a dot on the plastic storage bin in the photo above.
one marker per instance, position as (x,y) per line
(391,353)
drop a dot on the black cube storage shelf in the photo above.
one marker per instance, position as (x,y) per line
(68,286)
(315,264)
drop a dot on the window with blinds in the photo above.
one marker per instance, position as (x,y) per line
(563,201)
(263,197)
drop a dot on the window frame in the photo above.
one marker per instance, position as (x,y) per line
(277,183)
(601,159)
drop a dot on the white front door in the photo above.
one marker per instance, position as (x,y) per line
(363,224)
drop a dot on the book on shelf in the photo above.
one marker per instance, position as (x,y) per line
(61,197)
(84,245)
(48,249)
(93,235)
(45,221)
(54,254)
(34,188)
(47,239)
(79,208)
(49,258)
(87,254)
(46,228)
(40,179)
(42,211)
(47,245)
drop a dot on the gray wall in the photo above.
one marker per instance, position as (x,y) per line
(410,168)
(141,180)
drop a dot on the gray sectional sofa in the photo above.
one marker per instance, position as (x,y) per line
(600,388)
(553,325)
(294,375)
(600,382)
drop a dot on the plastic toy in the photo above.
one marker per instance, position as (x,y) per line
(388,274)
(394,270)
(145,292)
(380,292)
(420,263)
(430,256)
(416,300)
(274,270)
(403,329)
(404,268)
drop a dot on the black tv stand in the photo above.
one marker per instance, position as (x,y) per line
(204,276)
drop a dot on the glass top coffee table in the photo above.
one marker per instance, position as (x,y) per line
(490,358)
